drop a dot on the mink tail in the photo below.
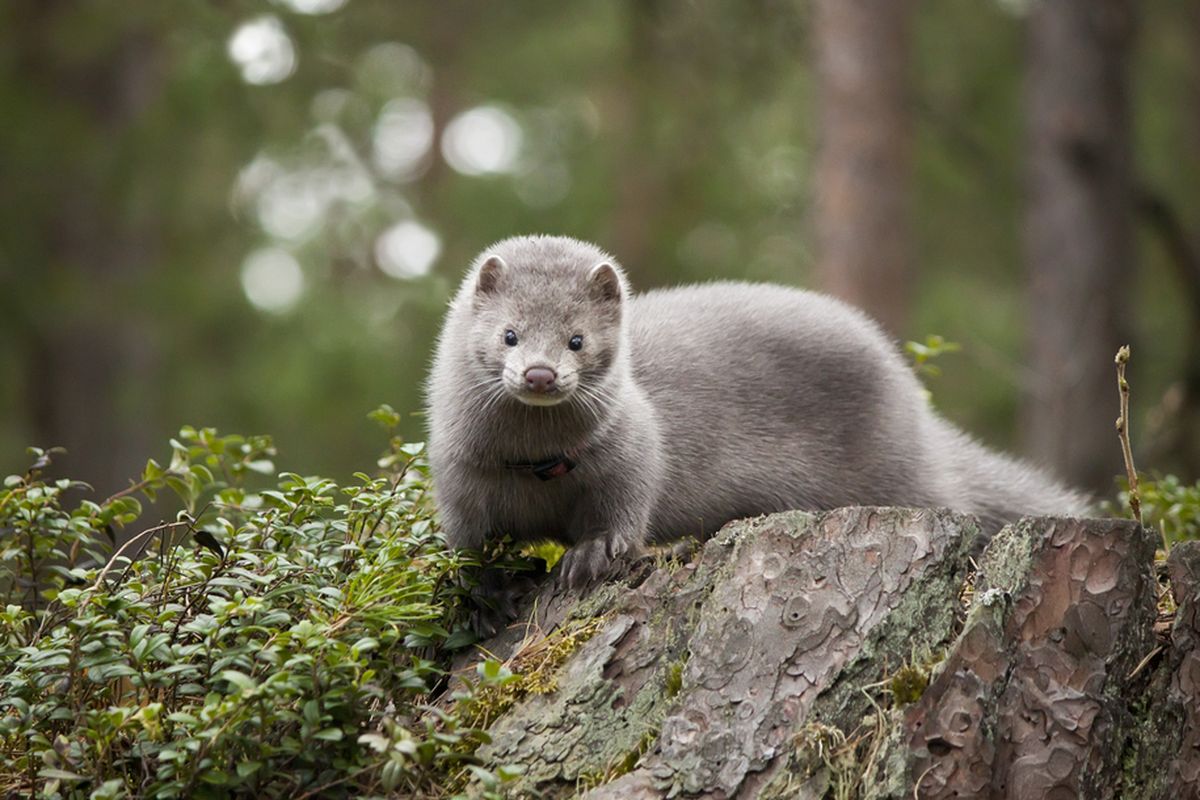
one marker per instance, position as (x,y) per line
(999,489)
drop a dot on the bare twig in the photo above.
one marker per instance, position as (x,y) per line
(135,540)
(133,488)
(1135,500)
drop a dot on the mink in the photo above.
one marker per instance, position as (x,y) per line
(563,406)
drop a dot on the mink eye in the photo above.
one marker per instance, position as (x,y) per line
(576,342)
(510,338)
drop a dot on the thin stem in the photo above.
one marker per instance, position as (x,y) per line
(141,537)
(1135,500)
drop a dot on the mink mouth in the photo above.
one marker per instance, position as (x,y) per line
(544,399)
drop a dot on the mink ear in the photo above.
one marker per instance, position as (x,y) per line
(488,281)
(604,284)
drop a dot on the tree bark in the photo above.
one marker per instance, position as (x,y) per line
(1033,699)
(789,659)
(1078,230)
(861,182)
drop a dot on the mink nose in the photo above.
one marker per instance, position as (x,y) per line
(540,379)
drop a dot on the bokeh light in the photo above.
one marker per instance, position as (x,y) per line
(263,51)
(402,138)
(407,250)
(313,6)
(293,199)
(481,141)
(290,206)
(272,279)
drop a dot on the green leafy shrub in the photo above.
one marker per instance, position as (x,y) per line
(1170,505)
(287,640)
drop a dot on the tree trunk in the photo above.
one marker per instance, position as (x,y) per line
(1078,231)
(639,180)
(861,183)
(86,360)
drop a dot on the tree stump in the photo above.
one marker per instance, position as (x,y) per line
(857,653)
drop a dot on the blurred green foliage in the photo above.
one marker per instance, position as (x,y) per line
(145,172)
(923,354)
(1168,504)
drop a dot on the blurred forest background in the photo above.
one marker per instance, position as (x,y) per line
(251,214)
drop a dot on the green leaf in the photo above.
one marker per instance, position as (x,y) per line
(153,471)
(109,790)
(460,638)
(509,772)
(241,680)
(263,466)
(60,775)
(17,703)
(312,712)
(365,644)
(375,741)
(492,671)
(386,416)
(329,735)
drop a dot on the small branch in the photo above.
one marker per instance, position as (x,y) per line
(134,540)
(1135,500)
(142,484)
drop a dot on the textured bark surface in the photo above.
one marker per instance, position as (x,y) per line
(771,666)
(1032,698)
(1181,674)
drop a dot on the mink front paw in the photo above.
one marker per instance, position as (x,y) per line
(494,600)
(491,614)
(587,562)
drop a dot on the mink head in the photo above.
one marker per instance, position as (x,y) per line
(545,319)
